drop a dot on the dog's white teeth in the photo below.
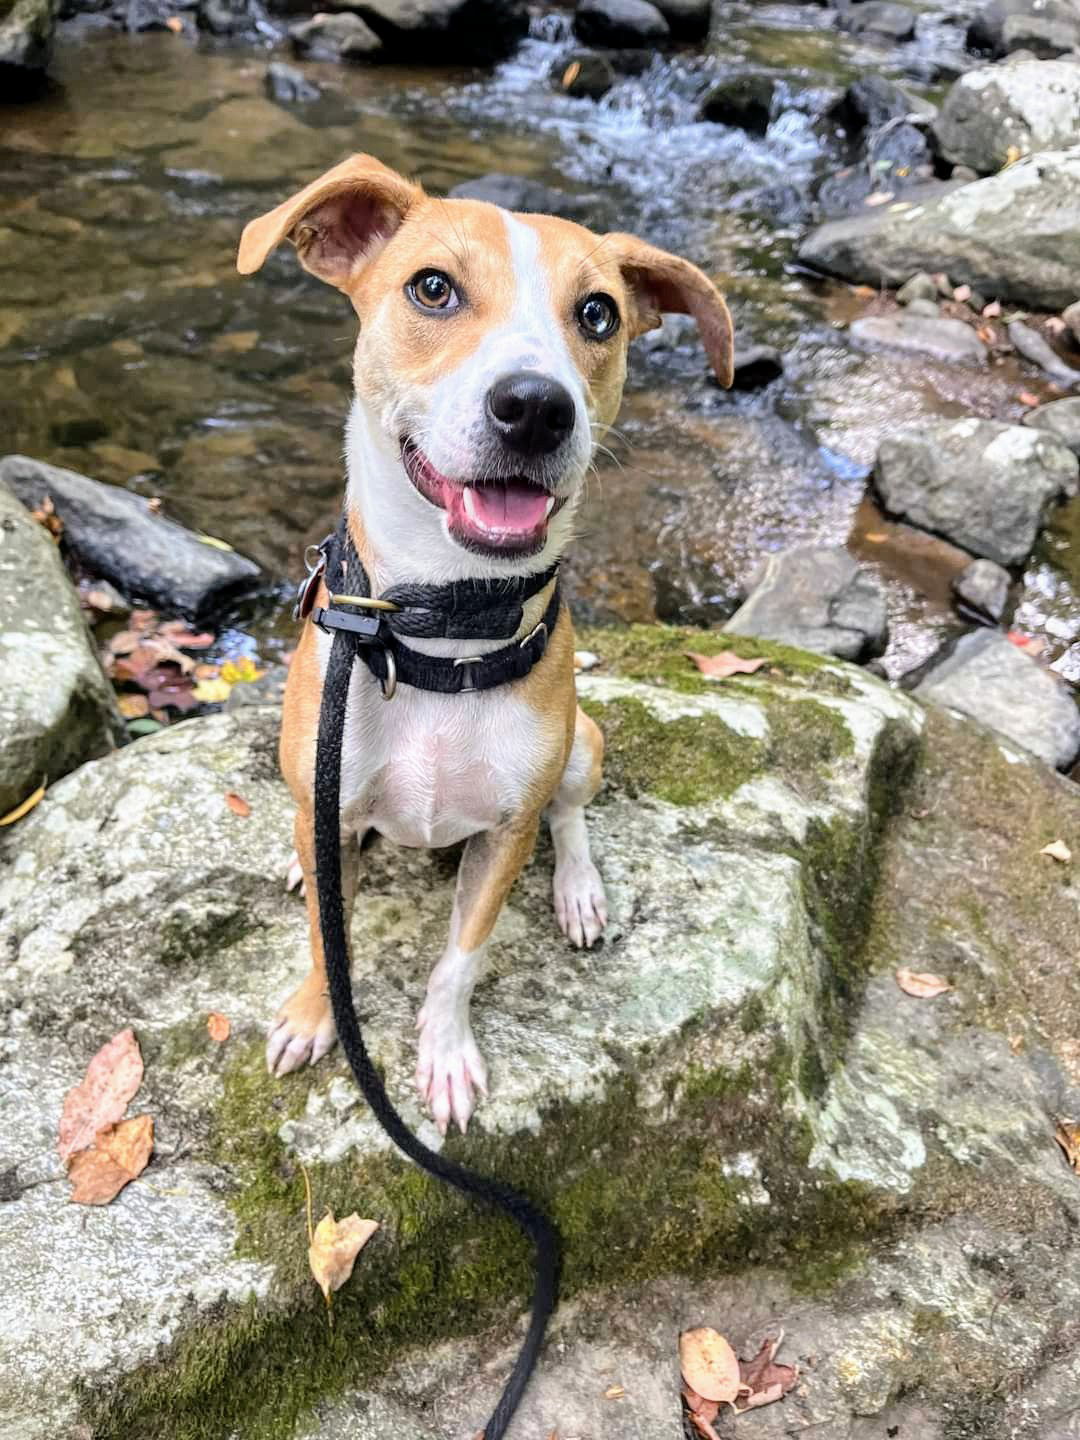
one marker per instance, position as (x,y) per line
(469,501)
(549,506)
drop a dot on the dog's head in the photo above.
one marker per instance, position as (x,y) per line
(492,348)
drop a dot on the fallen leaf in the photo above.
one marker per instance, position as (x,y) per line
(218,1025)
(334,1248)
(46,516)
(213,541)
(962,293)
(720,666)
(880,197)
(242,671)
(99,1100)
(119,1154)
(1067,1136)
(1028,399)
(570,74)
(155,502)
(986,334)
(991,311)
(133,707)
(1055,325)
(920,984)
(27,805)
(177,633)
(1057,850)
(764,1378)
(615,1392)
(1033,645)
(699,1405)
(709,1365)
(212,692)
(876,537)
(237,804)
(175,24)
(1012,155)
(175,696)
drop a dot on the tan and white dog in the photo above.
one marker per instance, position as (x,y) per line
(491,357)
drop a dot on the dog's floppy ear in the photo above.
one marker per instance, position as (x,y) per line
(337,223)
(664,284)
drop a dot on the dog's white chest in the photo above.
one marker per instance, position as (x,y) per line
(428,770)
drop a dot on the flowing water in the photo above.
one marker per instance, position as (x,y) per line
(131,350)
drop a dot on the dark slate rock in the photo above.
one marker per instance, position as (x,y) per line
(619,23)
(756,366)
(114,534)
(742,101)
(517,192)
(592,78)
(446,32)
(289,86)
(335,37)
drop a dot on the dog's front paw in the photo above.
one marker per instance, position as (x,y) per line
(303,1029)
(580,903)
(449,1068)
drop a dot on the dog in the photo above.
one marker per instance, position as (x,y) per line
(490,360)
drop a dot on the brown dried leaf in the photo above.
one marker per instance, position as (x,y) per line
(176,25)
(986,334)
(120,1154)
(46,516)
(962,293)
(703,1425)
(177,633)
(334,1248)
(699,1405)
(709,1365)
(920,984)
(764,1378)
(991,311)
(218,1026)
(1027,398)
(133,707)
(1067,1136)
(1057,850)
(876,537)
(720,666)
(237,804)
(570,74)
(112,1078)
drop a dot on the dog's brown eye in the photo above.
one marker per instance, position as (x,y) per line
(432,290)
(598,316)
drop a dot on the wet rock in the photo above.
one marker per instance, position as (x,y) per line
(619,23)
(1071,316)
(1061,418)
(114,534)
(1067,665)
(743,101)
(598,1085)
(991,680)
(872,101)
(518,192)
(880,18)
(1035,18)
(26,37)
(919,287)
(818,599)
(440,32)
(1045,36)
(583,74)
(1012,236)
(982,484)
(335,37)
(983,587)
(1025,105)
(1040,352)
(925,334)
(688,20)
(756,366)
(289,86)
(929,309)
(230,18)
(897,160)
(56,707)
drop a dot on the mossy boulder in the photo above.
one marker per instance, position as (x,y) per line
(684,1099)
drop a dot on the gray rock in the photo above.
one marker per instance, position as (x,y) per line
(114,534)
(139,898)
(924,334)
(592,78)
(1013,236)
(688,20)
(983,586)
(919,287)
(26,38)
(743,101)
(335,37)
(872,101)
(1040,352)
(475,32)
(56,707)
(898,160)
(1061,418)
(986,31)
(518,192)
(982,484)
(882,18)
(619,23)
(818,599)
(756,366)
(1026,105)
(1071,316)
(1067,665)
(928,309)
(231,18)
(289,86)
(991,680)
(1046,36)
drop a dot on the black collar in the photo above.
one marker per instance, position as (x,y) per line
(463,609)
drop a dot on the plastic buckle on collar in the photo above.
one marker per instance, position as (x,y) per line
(365,627)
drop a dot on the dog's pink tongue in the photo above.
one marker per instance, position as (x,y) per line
(513,506)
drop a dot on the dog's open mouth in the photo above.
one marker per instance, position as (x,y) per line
(506,516)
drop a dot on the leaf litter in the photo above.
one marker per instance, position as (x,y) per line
(713,1375)
(104,1152)
(119,1154)
(725,663)
(921,984)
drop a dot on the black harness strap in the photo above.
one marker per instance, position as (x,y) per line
(348,644)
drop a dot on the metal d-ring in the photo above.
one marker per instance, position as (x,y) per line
(533,633)
(389,688)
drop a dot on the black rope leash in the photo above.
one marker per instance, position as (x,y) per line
(535,1224)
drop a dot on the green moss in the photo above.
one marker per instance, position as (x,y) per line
(661,1196)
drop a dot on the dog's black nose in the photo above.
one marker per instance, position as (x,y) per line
(530,413)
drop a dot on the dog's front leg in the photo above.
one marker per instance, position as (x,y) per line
(450,1069)
(303,1029)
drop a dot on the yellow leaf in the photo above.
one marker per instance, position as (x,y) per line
(119,1154)
(570,74)
(25,808)
(214,541)
(334,1248)
(1057,850)
(615,1392)
(1012,155)
(242,671)
(212,692)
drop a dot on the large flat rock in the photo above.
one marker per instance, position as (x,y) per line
(739,835)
